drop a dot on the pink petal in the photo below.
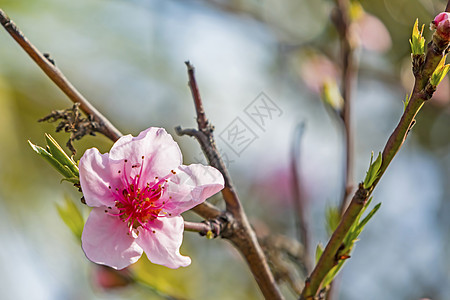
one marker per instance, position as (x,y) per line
(190,186)
(161,152)
(441,17)
(161,241)
(96,176)
(106,241)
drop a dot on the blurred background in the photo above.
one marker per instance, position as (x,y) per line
(127,57)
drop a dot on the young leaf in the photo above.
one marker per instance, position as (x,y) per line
(71,216)
(349,242)
(373,172)
(332,96)
(66,172)
(58,153)
(417,41)
(319,251)
(406,102)
(333,218)
(367,218)
(440,72)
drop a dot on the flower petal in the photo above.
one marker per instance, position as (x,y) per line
(96,176)
(106,241)
(190,186)
(161,241)
(161,152)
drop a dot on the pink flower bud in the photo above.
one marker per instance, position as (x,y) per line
(442,25)
(106,278)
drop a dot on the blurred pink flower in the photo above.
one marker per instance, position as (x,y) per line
(442,24)
(372,33)
(441,97)
(138,191)
(316,69)
(106,278)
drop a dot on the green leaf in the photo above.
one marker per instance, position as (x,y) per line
(333,218)
(319,251)
(331,95)
(363,223)
(58,153)
(56,156)
(373,172)
(406,102)
(74,180)
(176,284)
(71,216)
(440,72)
(417,41)
(332,273)
(349,241)
(65,171)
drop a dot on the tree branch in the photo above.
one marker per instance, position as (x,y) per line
(342,23)
(349,72)
(420,93)
(58,78)
(300,204)
(210,228)
(238,230)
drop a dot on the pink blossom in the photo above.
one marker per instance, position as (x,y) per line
(137,192)
(442,25)
(316,69)
(372,33)
(106,278)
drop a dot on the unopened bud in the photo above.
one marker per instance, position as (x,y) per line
(442,25)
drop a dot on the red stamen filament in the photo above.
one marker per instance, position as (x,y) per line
(138,205)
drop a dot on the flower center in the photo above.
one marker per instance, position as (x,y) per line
(138,203)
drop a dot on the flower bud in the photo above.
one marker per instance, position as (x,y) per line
(442,25)
(106,278)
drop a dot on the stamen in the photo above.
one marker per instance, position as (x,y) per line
(136,205)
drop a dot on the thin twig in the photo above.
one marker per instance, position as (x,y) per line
(196,227)
(207,210)
(348,78)
(342,23)
(238,231)
(210,228)
(58,78)
(204,135)
(421,93)
(299,198)
(328,258)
